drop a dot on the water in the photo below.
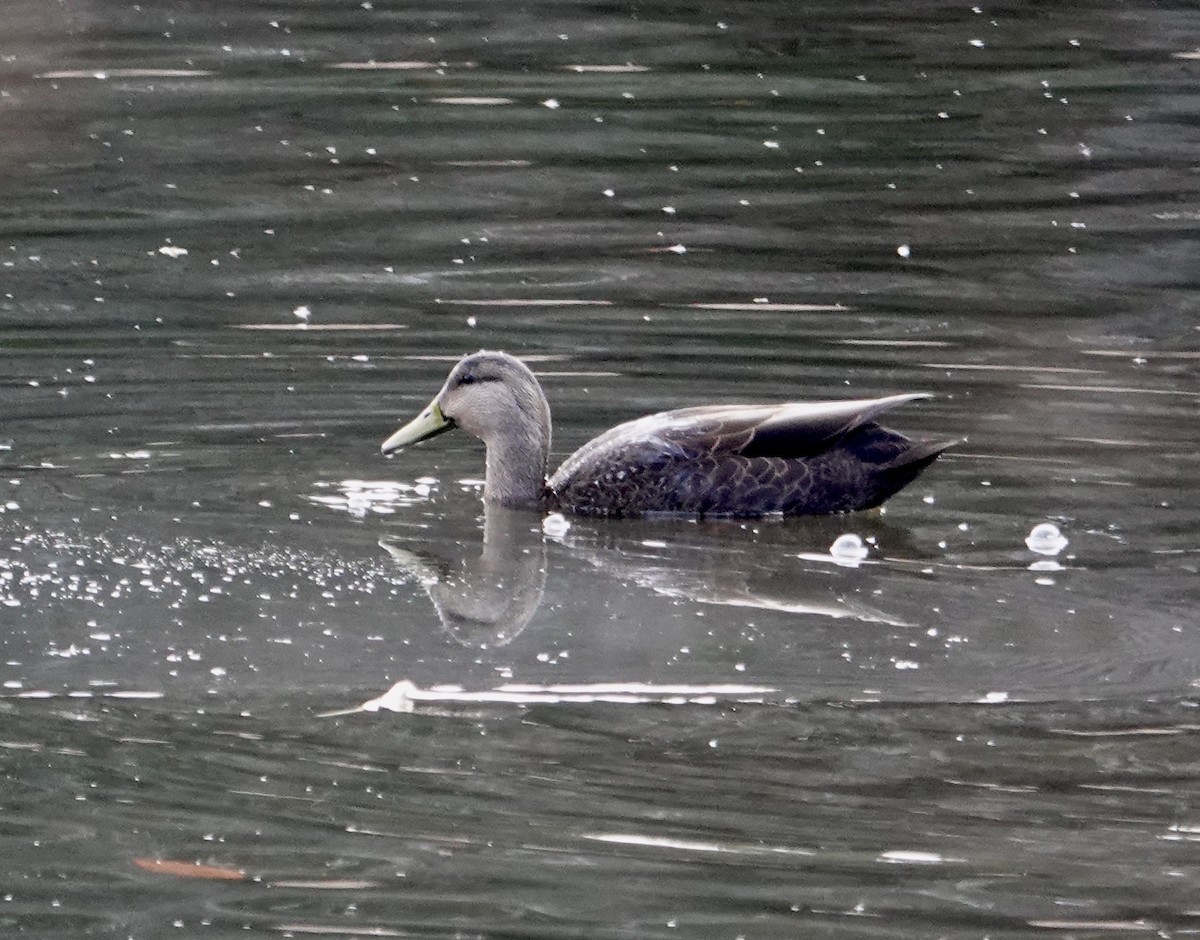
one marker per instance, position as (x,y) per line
(242,242)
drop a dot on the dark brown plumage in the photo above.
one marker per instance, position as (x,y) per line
(798,458)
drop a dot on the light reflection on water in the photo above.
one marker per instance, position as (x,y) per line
(241,243)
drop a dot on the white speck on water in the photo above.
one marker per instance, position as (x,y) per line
(669,210)
(551,103)
(771,144)
(993,698)
(978,43)
(1046,539)
(302,313)
(471,322)
(610,193)
(904,251)
(172,251)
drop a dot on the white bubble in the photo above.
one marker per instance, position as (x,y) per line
(1046,539)
(555,525)
(848,549)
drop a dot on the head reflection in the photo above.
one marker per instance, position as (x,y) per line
(483,602)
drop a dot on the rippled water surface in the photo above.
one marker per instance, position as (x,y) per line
(258,680)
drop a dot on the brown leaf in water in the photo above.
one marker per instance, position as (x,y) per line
(165,866)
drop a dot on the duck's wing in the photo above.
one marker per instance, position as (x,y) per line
(789,430)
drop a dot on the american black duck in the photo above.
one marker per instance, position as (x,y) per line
(796,458)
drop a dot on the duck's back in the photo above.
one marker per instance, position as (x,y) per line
(792,459)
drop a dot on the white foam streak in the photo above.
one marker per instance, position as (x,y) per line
(404,695)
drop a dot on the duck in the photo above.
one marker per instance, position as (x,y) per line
(741,460)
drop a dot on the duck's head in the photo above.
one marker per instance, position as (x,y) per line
(491,395)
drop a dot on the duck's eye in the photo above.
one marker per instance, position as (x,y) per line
(469,379)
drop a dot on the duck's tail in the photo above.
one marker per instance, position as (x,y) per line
(912,460)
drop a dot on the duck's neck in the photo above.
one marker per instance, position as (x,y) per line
(516,463)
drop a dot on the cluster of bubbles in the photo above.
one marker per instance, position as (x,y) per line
(40,569)
(361,498)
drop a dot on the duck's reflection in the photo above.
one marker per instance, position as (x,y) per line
(485,600)
(771,564)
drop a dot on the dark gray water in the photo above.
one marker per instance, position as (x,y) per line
(242,241)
